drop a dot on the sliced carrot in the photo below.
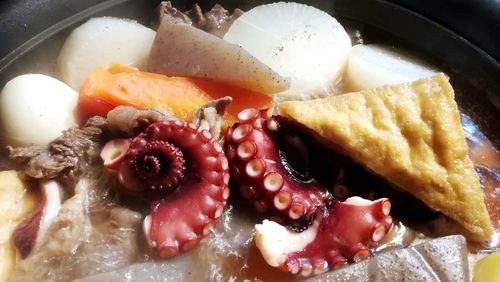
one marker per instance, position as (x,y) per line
(105,89)
(242,98)
(175,95)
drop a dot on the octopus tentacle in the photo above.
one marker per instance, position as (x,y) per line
(157,165)
(188,170)
(342,232)
(262,174)
(271,167)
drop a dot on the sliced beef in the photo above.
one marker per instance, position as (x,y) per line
(77,149)
(66,155)
(166,8)
(209,117)
(129,121)
(216,21)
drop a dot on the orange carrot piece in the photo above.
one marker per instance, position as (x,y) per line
(174,95)
(105,89)
(242,98)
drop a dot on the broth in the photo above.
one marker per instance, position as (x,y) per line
(229,253)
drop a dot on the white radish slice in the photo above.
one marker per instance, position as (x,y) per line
(35,109)
(371,66)
(100,42)
(297,41)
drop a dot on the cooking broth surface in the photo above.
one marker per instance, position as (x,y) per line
(229,253)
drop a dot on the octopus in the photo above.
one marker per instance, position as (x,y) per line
(184,173)
(323,233)
(263,173)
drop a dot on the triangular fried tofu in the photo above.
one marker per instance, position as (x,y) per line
(409,134)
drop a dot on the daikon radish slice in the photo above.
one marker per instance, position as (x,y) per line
(297,41)
(371,66)
(100,42)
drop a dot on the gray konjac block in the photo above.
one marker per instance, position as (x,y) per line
(442,259)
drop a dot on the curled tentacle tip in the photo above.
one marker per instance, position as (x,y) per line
(331,242)
(177,165)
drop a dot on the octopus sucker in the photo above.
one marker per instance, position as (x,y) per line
(312,230)
(113,153)
(262,174)
(342,232)
(282,200)
(185,173)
